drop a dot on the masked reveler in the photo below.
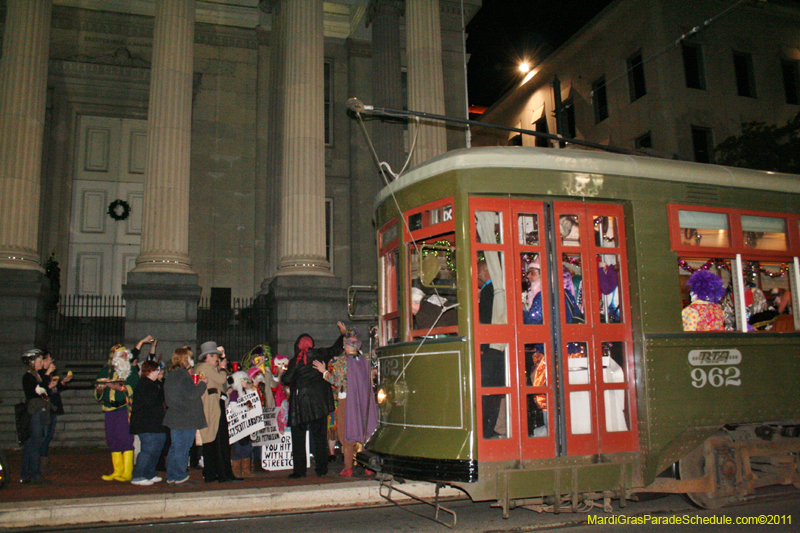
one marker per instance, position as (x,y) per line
(356,413)
(114,389)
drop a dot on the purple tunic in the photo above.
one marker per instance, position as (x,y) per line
(118,434)
(361,414)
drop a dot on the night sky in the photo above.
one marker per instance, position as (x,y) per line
(505,31)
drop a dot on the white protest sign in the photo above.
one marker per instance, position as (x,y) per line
(244,416)
(276,441)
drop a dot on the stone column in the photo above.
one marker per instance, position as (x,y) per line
(386,78)
(425,81)
(165,223)
(303,294)
(161,295)
(302,245)
(23,89)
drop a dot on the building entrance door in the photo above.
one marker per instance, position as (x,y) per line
(106,220)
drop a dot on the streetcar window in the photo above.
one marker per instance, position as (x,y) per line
(572,280)
(528,225)
(390,284)
(490,227)
(535,365)
(578,361)
(491,292)
(605,232)
(610,300)
(430,217)
(493,365)
(700,228)
(764,233)
(390,301)
(570,230)
(767,294)
(495,416)
(722,269)
(433,296)
(616,402)
(532,302)
(580,410)
(537,415)
(614,362)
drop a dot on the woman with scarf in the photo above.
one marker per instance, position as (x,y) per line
(356,413)
(310,402)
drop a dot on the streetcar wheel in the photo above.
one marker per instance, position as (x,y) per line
(693,466)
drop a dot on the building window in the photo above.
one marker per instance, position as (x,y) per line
(643,141)
(600,100)
(701,143)
(328,73)
(636,84)
(541,127)
(693,66)
(745,79)
(569,111)
(791,81)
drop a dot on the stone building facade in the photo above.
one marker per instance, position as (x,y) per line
(663,77)
(158,149)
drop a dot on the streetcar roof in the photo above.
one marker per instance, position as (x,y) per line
(591,162)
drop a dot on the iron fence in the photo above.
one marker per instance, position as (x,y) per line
(238,328)
(83,328)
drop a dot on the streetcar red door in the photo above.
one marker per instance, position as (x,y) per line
(552,335)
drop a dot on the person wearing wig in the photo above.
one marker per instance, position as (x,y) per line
(310,401)
(704,313)
(114,389)
(356,412)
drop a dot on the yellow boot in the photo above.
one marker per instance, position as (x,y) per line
(116,460)
(127,467)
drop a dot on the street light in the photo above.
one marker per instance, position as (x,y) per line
(524,67)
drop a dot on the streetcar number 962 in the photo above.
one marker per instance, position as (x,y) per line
(716,377)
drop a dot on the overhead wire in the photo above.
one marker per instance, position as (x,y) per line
(384,167)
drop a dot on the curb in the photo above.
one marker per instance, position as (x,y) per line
(268,500)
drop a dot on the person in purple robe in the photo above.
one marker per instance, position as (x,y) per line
(356,412)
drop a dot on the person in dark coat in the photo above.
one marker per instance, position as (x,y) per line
(147,421)
(310,401)
(184,413)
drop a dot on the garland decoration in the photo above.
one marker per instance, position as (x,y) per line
(114,209)
(751,269)
(448,250)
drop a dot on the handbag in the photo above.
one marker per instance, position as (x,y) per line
(23,422)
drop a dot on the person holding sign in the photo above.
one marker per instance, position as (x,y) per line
(356,414)
(310,401)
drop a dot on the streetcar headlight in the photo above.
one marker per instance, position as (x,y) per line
(382,396)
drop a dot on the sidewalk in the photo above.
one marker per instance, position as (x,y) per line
(77,495)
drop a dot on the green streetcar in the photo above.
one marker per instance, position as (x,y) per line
(531,345)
